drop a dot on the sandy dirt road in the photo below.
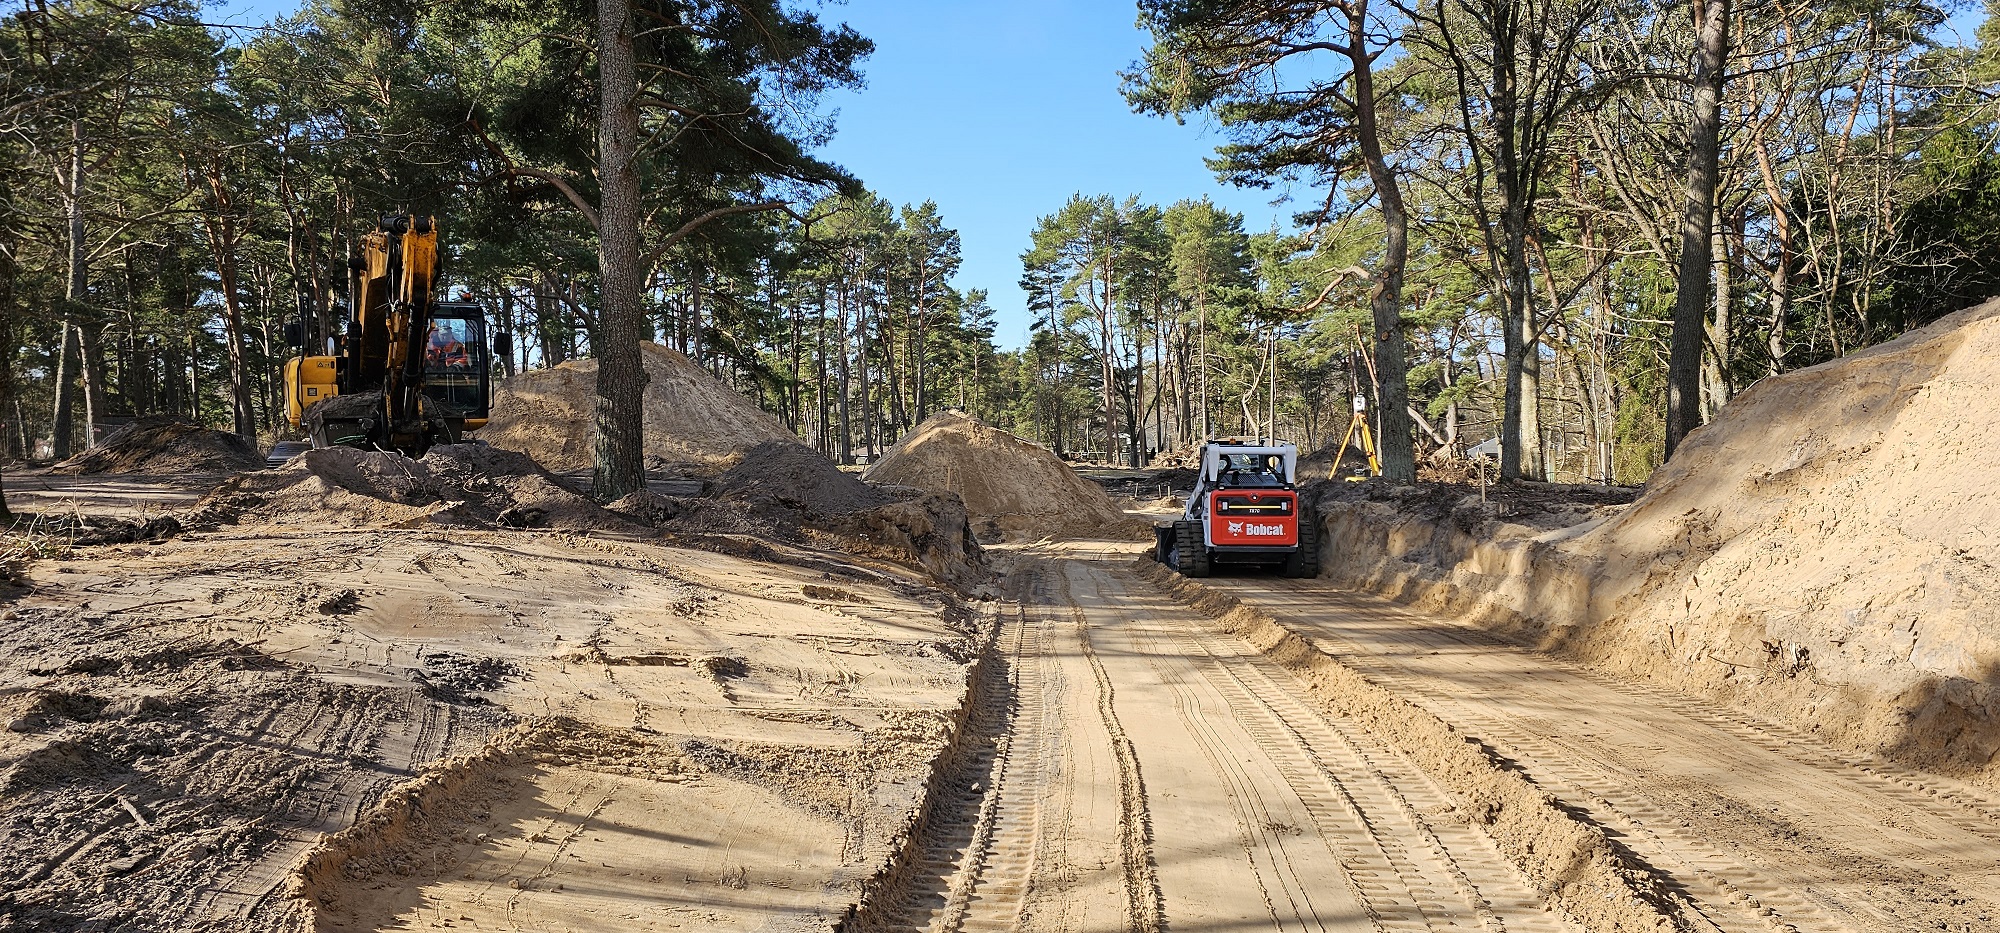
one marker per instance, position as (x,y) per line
(1145,772)
(1761,828)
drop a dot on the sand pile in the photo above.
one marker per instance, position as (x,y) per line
(693,422)
(786,491)
(1824,552)
(163,445)
(795,477)
(470,485)
(1012,488)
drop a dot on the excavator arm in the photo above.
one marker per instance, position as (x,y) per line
(408,320)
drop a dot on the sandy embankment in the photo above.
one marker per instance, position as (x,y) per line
(1822,554)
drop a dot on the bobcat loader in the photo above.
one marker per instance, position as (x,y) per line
(1244,510)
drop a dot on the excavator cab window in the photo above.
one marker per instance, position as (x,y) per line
(455,360)
(450,346)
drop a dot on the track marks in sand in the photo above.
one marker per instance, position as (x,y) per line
(1129,767)
(1040,822)
(1142,884)
(1336,830)
(1763,830)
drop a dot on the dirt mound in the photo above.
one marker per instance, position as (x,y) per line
(1536,506)
(796,477)
(788,492)
(469,485)
(160,444)
(1009,486)
(693,422)
(1840,521)
(1823,552)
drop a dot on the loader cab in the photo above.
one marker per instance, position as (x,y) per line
(1252,471)
(457,363)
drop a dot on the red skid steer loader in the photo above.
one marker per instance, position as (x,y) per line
(1243,510)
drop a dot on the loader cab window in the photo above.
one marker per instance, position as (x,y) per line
(1252,471)
(455,361)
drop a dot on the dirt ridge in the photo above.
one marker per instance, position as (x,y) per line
(394,818)
(1821,554)
(1012,488)
(1581,871)
(885,886)
(166,445)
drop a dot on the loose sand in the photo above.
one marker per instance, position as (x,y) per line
(693,422)
(538,730)
(462,485)
(784,491)
(1012,489)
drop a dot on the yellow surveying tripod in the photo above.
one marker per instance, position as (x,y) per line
(1359,425)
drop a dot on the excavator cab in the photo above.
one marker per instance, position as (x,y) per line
(457,366)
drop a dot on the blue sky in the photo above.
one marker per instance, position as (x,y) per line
(999,110)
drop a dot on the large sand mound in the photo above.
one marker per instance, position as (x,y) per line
(1824,551)
(1012,487)
(1842,521)
(163,445)
(693,422)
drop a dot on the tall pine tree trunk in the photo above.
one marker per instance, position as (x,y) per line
(12,429)
(62,419)
(1395,445)
(1716,387)
(1779,283)
(846,409)
(90,347)
(618,453)
(221,227)
(922,351)
(1691,295)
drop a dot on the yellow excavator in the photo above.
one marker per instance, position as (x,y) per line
(406,371)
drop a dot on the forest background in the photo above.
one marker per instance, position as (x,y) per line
(1558,224)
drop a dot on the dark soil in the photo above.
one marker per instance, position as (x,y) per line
(159,444)
(1537,505)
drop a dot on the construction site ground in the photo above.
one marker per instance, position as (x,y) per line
(258,728)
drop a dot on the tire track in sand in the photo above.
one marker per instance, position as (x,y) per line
(1404,855)
(1044,800)
(1701,793)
